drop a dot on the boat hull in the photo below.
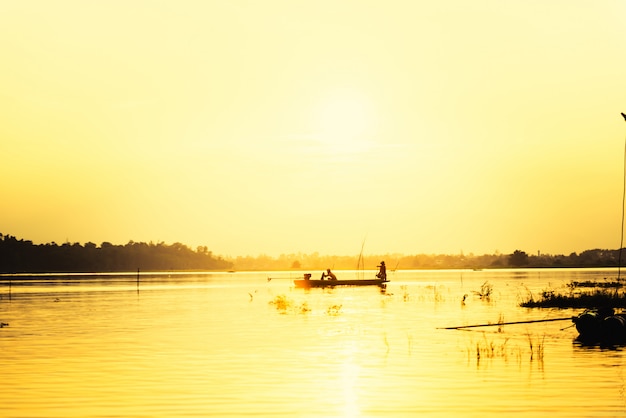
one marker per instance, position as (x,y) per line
(332,283)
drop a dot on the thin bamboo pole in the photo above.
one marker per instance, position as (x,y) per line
(508,323)
(621,239)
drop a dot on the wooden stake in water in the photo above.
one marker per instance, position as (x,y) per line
(137,279)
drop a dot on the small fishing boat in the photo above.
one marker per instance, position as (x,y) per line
(306,282)
(602,326)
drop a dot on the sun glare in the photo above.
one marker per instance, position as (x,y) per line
(344,123)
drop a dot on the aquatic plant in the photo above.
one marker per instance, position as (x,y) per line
(619,282)
(334,310)
(500,322)
(282,303)
(489,349)
(485,291)
(437,294)
(589,299)
(536,348)
(304,308)
(405,293)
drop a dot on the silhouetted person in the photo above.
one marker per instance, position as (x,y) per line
(382,273)
(329,274)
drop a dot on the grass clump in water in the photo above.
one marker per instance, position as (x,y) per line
(606,283)
(405,293)
(489,349)
(334,310)
(486,289)
(536,348)
(283,304)
(575,298)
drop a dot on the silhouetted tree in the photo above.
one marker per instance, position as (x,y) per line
(518,259)
(23,256)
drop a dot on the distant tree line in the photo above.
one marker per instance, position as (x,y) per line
(21,256)
(517,259)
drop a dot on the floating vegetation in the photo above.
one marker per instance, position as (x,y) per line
(334,310)
(486,289)
(282,303)
(589,299)
(304,308)
(599,284)
(405,293)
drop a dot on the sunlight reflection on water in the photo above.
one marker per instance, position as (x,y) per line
(220,345)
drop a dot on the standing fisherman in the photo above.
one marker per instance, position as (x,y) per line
(382,274)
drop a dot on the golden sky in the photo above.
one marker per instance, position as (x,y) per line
(269,127)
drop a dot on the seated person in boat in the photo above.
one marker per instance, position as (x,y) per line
(382,273)
(329,274)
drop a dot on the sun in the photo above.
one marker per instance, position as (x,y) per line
(344,121)
(343,116)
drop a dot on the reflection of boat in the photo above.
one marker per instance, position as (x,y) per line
(601,326)
(307,282)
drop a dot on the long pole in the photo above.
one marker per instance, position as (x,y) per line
(621,241)
(360,264)
(508,323)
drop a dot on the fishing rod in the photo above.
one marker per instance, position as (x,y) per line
(569,318)
(269,279)
(304,276)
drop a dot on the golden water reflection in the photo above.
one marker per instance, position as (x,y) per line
(203,346)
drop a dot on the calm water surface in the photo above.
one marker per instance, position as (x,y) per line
(232,345)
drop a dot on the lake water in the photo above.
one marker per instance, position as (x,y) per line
(236,345)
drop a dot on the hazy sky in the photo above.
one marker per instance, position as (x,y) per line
(269,127)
